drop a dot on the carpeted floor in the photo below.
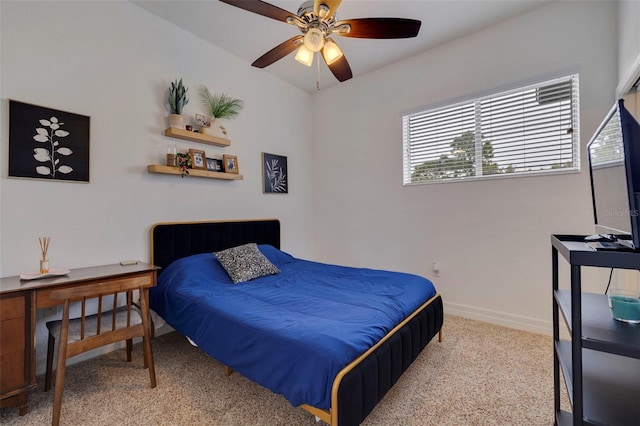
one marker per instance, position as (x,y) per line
(481,374)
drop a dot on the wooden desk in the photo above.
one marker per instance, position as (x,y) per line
(19,301)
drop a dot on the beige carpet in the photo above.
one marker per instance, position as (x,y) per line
(481,374)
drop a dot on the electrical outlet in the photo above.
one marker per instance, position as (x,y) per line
(436,269)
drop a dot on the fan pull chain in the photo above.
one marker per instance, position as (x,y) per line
(318,71)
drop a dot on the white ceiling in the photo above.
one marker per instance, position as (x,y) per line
(248,35)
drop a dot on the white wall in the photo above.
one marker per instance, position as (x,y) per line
(491,238)
(628,44)
(113,62)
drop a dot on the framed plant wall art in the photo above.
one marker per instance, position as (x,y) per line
(46,143)
(275,177)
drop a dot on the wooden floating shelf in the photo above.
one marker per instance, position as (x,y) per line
(154,168)
(196,137)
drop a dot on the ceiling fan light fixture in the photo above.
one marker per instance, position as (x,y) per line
(331,52)
(314,39)
(317,22)
(304,56)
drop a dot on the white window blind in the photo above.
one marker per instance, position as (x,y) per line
(528,130)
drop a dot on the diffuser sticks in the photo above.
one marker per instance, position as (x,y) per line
(44,247)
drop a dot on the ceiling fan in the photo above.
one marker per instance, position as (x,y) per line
(316,19)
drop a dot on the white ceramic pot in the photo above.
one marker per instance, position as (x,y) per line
(177,121)
(215,130)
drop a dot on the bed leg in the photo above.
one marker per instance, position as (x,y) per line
(228,371)
(320,414)
(440,335)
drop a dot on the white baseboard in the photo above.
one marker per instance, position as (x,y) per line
(500,318)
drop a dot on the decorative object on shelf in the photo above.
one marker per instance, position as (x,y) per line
(184,162)
(44,247)
(45,143)
(215,130)
(214,165)
(177,100)
(198,159)
(274,174)
(624,300)
(230,164)
(171,154)
(203,120)
(220,106)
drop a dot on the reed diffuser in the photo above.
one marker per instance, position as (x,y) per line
(44,247)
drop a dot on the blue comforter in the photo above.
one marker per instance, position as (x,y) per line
(291,332)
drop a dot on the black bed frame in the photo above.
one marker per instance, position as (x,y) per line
(359,386)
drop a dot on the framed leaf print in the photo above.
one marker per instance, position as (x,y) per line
(46,143)
(275,179)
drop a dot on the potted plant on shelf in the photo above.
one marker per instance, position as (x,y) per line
(219,106)
(184,162)
(177,100)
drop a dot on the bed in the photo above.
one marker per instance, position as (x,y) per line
(334,352)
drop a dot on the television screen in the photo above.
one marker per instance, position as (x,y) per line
(614,164)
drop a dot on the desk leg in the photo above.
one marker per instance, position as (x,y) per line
(23,401)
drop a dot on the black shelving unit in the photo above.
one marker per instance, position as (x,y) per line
(601,363)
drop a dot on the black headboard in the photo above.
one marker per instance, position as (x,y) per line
(174,240)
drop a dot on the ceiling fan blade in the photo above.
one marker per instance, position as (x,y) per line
(380,28)
(261,8)
(341,69)
(277,53)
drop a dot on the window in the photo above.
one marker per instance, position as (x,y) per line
(529,130)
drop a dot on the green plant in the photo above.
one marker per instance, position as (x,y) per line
(177,97)
(184,162)
(220,105)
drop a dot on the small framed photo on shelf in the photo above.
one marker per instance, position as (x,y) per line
(230,163)
(214,165)
(203,120)
(198,159)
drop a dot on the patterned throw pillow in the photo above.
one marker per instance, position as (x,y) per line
(244,263)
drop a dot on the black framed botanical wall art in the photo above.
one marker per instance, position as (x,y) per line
(275,178)
(46,143)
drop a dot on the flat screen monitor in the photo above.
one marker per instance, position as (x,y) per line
(614,164)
